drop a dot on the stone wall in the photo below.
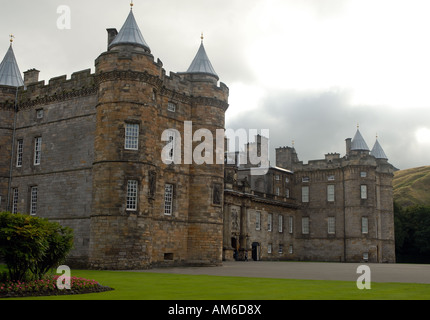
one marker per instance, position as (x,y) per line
(7,101)
(64,176)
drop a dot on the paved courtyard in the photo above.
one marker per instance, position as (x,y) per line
(407,273)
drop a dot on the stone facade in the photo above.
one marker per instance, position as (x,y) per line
(83,175)
(334,209)
(67,145)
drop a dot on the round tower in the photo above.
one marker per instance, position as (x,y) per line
(10,81)
(210,102)
(125,152)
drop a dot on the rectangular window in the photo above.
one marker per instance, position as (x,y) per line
(287,193)
(37,151)
(15,200)
(171,107)
(281,223)
(305,225)
(258,220)
(39,113)
(363,174)
(19,152)
(330,193)
(269,248)
(168,199)
(290,224)
(131,136)
(171,143)
(364,225)
(33,201)
(363,192)
(269,222)
(278,191)
(277,177)
(331,225)
(305,179)
(281,248)
(132,191)
(305,194)
(331,178)
(217,194)
(290,250)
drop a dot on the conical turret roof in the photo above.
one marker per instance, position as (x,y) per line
(201,63)
(9,71)
(378,152)
(130,34)
(358,143)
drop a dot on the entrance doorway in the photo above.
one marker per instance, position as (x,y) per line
(256,248)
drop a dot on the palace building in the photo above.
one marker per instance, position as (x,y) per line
(87,152)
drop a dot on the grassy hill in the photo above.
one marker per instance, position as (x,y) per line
(412,186)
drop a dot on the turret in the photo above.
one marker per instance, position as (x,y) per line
(125,151)
(10,81)
(378,152)
(145,210)
(209,105)
(359,145)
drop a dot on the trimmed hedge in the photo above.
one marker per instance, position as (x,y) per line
(31,246)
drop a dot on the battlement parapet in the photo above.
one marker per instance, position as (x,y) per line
(81,83)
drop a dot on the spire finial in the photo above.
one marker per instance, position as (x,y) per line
(202,37)
(11,38)
(131,5)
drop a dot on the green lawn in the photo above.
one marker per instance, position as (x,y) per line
(152,286)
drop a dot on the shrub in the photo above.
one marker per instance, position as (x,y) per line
(60,242)
(30,246)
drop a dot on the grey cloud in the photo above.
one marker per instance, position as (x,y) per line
(319,123)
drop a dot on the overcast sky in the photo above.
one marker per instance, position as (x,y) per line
(308,70)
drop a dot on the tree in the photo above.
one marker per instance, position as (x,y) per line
(412,229)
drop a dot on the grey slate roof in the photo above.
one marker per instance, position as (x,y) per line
(202,64)
(358,143)
(130,34)
(9,71)
(378,152)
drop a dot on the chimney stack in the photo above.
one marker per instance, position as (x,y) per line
(348,146)
(31,76)
(112,33)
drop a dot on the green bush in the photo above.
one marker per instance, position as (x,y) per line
(31,246)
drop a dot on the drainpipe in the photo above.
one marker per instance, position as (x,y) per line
(344,214)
